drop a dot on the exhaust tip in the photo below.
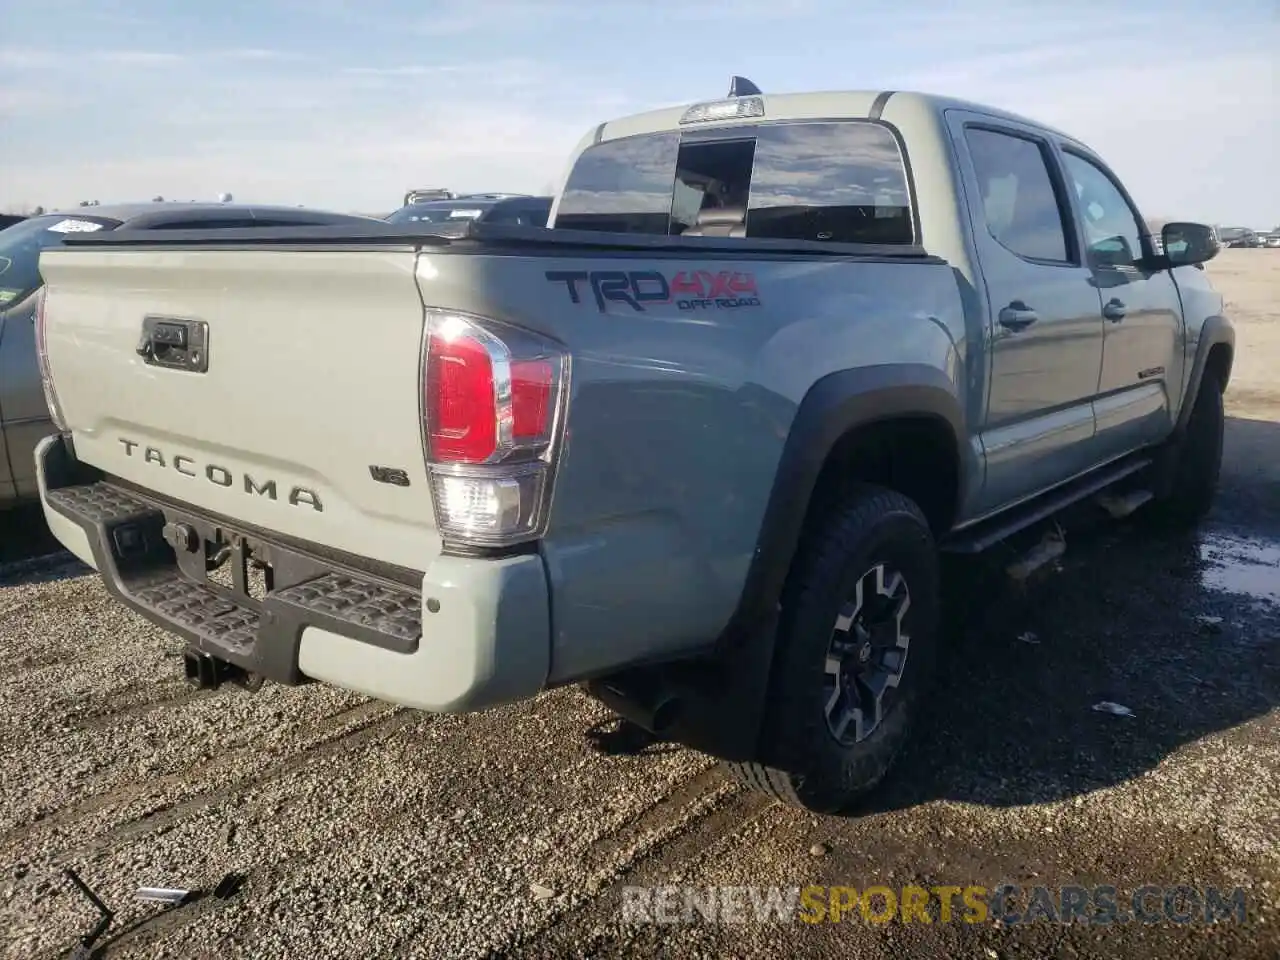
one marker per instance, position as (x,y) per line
(650,706)
(665,714)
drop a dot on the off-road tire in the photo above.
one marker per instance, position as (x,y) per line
(1194,460)
(800,761)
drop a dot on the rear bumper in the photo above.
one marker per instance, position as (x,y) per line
(464,635)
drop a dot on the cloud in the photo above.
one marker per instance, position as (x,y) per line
(451,18)
(314,101)
(330,136)
(136,58)
(20,59)
(28,101)
(1193,138)
(259,54)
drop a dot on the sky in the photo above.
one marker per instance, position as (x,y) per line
(346,104)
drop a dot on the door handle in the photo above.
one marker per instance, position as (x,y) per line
(1017,316)
(1114,310)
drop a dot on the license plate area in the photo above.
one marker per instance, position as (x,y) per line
(240,567)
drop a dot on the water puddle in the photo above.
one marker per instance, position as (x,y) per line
(1242,566)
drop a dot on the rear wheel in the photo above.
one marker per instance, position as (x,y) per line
(855,653)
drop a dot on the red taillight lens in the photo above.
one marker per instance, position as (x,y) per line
(462,413)
(493,409)
(483,400)
(531,399)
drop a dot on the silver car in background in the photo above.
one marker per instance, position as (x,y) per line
(24,416)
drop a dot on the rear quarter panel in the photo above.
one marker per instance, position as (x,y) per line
(678,415)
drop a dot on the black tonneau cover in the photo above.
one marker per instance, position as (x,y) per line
(497,238)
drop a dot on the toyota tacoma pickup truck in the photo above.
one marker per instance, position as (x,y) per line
(696,446)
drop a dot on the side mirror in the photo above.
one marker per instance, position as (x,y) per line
(1186,244)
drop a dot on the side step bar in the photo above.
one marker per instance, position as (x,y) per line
(988,533)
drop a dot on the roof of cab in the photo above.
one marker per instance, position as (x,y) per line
(826,105)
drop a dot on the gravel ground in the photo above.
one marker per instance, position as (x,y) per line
(357,828)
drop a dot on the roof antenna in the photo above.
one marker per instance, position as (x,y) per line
(742,87)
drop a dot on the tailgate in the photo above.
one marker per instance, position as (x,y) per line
(309,400)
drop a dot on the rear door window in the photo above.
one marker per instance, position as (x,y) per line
(1021,206)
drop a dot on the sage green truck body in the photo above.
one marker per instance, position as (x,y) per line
(1017,334)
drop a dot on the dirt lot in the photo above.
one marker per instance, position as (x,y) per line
(362,829)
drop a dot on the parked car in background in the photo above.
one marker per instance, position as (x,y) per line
(24,414)
(1238,237)
(510,208)
(425,194)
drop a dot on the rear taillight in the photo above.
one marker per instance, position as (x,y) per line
(493,410)
(42,358)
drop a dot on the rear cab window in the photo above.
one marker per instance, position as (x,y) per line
(838,181)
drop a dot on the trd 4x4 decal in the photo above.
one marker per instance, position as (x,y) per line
(688,289)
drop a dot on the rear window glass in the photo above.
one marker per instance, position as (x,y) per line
(842,181)
(623,185)
(830,181)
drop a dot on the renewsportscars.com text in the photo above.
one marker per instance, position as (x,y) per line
(1008,903)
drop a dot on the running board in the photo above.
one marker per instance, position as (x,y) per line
(991,531)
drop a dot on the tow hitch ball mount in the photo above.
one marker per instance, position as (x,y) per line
(208,672)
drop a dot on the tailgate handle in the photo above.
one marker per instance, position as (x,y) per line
(175,344)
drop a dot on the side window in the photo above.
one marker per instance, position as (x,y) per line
(622,185)
(840,182)
(1018,197)
(1111,232)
